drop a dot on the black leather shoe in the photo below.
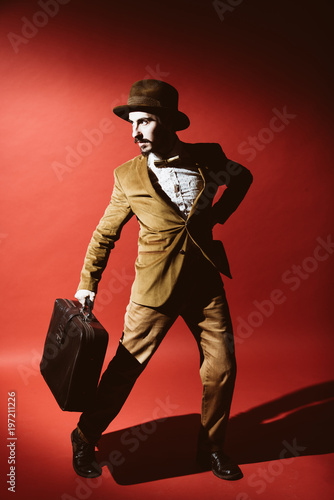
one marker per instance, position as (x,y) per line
(84,461)
(221,465)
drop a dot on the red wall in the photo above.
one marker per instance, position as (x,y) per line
(233,74)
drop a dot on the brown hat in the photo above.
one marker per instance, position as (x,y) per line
(156,97)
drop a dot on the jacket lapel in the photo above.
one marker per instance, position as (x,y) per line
(141,166)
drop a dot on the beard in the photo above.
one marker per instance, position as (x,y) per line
(160,146)
(143,150)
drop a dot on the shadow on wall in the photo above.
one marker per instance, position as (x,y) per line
(297,424)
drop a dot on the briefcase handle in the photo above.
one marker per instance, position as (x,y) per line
(86,310)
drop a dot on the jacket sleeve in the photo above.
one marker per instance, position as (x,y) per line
(237,180)
(104,237)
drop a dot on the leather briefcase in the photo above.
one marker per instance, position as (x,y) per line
(73,355)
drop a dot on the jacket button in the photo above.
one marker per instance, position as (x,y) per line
(182,252)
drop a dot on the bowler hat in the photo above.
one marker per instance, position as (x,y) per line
(156,97)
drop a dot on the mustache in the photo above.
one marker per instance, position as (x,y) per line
(141,139)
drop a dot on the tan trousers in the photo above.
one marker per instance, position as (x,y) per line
(206,313)
(199,298)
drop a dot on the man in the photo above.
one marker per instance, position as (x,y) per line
(170,188)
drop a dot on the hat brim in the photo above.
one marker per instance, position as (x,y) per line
(179,119)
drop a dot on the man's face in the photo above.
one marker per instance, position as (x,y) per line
(150,134)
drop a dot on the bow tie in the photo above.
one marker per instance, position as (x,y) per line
(168,162)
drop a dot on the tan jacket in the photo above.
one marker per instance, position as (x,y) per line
(165,236)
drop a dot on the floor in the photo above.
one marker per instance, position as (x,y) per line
(280,430)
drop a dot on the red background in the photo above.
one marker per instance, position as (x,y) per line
(235,70)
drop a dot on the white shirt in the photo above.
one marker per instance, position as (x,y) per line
(181,183)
